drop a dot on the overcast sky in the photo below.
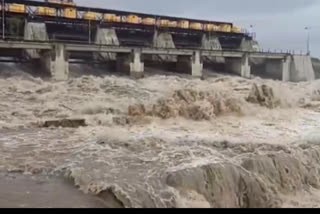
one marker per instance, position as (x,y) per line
(279,24)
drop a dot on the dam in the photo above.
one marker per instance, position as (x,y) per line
(55,34)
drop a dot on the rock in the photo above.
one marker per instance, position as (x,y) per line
(224,186)
(190,104)
(136,110)
(122,121)
(65,123)
(264,96)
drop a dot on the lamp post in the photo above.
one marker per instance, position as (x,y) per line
(251,31)
(308,40)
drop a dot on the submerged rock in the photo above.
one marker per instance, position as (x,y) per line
(264,96)
(65,123)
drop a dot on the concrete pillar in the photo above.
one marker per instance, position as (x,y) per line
(105,36)
(163,40)
(211,42)
(286,69)
(249,45)
(301,69)
(131,63)
(240,66)
(56,63)
(190,64)
(245,66)
(35,32)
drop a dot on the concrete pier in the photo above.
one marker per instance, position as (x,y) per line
(286,69)
(290,68)
(163,40)
(245,66)
(240,66)
(56,62)
(131,63)
(190,64)
(105,36)
(249,45)
(211,42)
(302,69)
(35,32)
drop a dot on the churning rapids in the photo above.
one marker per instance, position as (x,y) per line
(164,141)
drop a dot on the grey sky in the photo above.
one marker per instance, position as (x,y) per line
(279,24)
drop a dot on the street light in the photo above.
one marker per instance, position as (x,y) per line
(308,40)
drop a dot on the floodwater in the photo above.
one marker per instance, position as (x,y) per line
(162,141)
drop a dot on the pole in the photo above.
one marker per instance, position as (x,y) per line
(89,32)
(3,21)
(308,41)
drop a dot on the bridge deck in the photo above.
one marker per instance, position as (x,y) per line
(81,47)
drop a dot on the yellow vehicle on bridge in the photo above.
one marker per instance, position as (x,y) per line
(46,11)
(236,29)
(148,21)
(91,16)
(196,26)
(183,24)
(133,19)
(70,11)
(17,8)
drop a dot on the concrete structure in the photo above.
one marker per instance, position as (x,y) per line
(106,36)
(301,69)
(190,64)
(240,66)
(316,67)
(55,62)
(273,68)
(249,45)
(35,32)
(286,68)
(163,40)
(291,68)
(211,42)
(131,63)
(131,60)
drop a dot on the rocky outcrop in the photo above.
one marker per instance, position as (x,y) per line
(190,104)
(263,95)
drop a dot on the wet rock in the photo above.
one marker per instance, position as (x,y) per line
(316,95)
(224,186)
(190,104)
(264,96)
(65,123)
(122,121)
(137,110)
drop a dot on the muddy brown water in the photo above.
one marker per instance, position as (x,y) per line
(24,191)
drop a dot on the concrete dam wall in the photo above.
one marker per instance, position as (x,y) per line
(301,69)
(316,67)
